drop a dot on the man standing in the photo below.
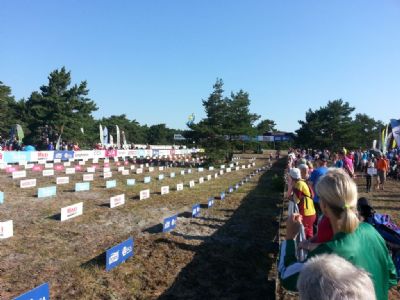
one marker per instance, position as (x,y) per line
(316,174)
(382,167)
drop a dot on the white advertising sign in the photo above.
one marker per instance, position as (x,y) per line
(27,183)
(48,172)
(164,190)
(125,172)
(201,179)
(216,175)
(106,169)
(49,165)
(117,200)
(228,170)
(221,172)
(208,177)
(6,229)
(145,194)
(120,169)
(91,169)
(107,174)
(71,211)
(82,163)
(191,183)
(69,171)
(179,187)
(62,180)
(87,177)
(151,169)
(67,164)
(132,167)
(139,171)
(160,168)
(18,174)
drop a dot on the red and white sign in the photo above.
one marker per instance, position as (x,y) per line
(46,173)
(37,168)
(117,200)
(70,171)
(71,211)
(62,180)
(164,190)
(27,183)
(191,183)
(125,172)
(107,174)
(139,171)
(145,194)
(111,153)
(44,155)
(6,229)
(87,177)
(58,167)
(179,187)
(18,174)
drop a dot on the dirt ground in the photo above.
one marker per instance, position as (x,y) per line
(228,252)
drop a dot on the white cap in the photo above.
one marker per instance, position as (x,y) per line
(295,173)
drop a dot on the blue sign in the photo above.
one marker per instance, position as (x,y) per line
(147,179)
(111,184)
(210,202)
(230,190)
(161,177)
(42,292)
(16,156)
(195,210)
(130,182)
(63,155)
(170,223)
(222,196)
(1,197)
(156,152)
(141,153)
(47,191)
(82,186)
(172,175)
(118,254)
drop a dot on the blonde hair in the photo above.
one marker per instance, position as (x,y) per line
(339,192)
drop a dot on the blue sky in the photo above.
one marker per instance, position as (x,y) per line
(156,60)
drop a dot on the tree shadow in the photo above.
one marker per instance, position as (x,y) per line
(233,263)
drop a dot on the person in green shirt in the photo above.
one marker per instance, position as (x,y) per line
(358,243)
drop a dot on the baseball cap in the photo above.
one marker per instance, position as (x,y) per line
(323,157)
(295,173)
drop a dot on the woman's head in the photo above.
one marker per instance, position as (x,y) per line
(338,192)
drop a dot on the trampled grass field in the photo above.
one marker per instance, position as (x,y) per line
(227,252)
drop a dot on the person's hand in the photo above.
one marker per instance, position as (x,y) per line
(304,245)
(293,225)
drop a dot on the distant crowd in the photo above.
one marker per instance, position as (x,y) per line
(337,246)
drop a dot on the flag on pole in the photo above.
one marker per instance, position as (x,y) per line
(101,134)
(395,124)
(105,135)
(118,137)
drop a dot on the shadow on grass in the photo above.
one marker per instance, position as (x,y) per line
(234,262)
(99,261)
(56,217)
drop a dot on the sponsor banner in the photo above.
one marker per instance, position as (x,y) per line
(183,172)
(22,163)
(1,197)
(42,292)
(82,186)
(67,164)
(200,169)
(222,195)
(111,184)
(48,165)
(18,174)
(160,168)
(228,170)
(148,152)
(160,176)
(117,200)
(211,169)
(144,194)
(49,191)
(179,187)
(16,156)
(111,153)
(91,169)
(44,155)
(62,180)
(1,157)
(46,173)
(120,169)
(147,179)
(59,167)
(210,202)
(6,229)
(122,153)
(27,183)
(201,179)
(41,162)
(191,183)
(208,177)
(156,152)
(151,169)
(132,167)
(141,153)
(69,171)
(170,223)
(87,177)
(99,154)
(132,153)
(95,160)
(63,155)
(125,172)
(163,152)
(164,190)
(83,154)
(107,175)
(172,175)
(195,210)
(216,175)
(106,169)
(119,253)
(71,211)
(130,182)
(139,171)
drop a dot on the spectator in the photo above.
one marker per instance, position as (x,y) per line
(330,277)
(382,168)
(359,243)
(316,175)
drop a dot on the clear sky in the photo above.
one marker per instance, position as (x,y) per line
(156,60)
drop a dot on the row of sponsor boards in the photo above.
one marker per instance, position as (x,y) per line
(28,156)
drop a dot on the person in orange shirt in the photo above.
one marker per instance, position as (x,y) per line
(382,168)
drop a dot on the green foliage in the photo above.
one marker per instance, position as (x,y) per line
(264,126)
(332,127)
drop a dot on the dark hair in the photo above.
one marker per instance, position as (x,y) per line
(364,209)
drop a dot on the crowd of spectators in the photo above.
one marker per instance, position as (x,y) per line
(346,257)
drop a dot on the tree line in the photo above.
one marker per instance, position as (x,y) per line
(60,107)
